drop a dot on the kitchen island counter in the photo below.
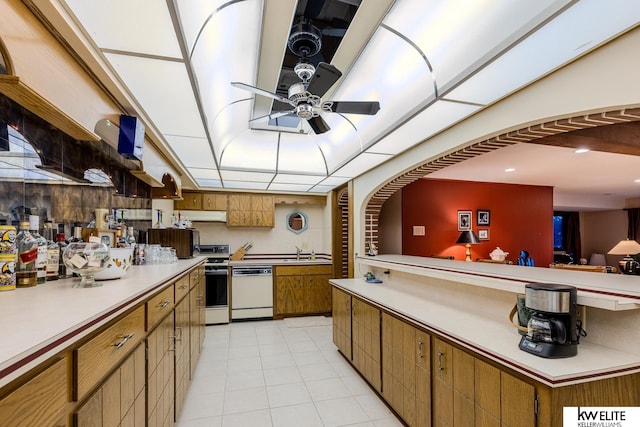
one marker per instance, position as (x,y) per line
(469,303)
(42,321)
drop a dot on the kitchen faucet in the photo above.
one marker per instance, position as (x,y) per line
(298,252)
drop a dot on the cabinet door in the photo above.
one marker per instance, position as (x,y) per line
(160,373)
(423,378)
(442,383)
(366,341)
(190,201)
(214,202)
(47,392)
(317,293)
(182,348)
(342,322)
(463,365)
(517,402)
(487,395)
(289,295)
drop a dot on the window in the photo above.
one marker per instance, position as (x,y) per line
(558,233)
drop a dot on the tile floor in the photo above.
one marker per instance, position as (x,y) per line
(264,373)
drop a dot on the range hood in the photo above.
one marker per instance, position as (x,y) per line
(205,216)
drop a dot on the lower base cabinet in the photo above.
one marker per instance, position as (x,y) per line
(161,374)
(406,376)
(41,401)
(365,326)
(341,315)
(120,401)
(302,290)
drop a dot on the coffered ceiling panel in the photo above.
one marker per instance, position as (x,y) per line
(430,64)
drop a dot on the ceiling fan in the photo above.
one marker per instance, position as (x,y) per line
(306,96)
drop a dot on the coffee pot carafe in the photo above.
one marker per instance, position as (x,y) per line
(552,327)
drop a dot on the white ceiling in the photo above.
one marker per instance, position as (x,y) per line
(429,64)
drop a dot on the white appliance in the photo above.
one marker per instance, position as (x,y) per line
(252,292)
(216,272)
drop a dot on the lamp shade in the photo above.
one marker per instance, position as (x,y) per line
(468,236)
(625,247)
(597,259)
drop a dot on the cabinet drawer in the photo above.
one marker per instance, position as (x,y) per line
(41,401)
(102,353)
(302,270)
(159,306)
(182,287)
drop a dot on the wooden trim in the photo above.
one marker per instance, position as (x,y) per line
(13,88)
(7,59)
(300,199)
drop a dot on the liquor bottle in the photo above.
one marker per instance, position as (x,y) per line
(27,248)
(77,234)
(130,240)
(53,252)
(63,273)
(41,260)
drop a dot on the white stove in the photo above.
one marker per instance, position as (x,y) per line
(216,271)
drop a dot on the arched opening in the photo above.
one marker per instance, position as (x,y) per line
(529,134)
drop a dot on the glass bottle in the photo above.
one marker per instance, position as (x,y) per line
(77,234)
(130,240)
(63,273)
(27,248)
(41,260)
(53,252)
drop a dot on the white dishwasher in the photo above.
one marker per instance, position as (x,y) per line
(252,292)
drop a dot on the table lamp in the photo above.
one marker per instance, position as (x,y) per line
(469,238)
(626,247)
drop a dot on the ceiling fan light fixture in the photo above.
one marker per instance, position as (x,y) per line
(304,70)
(305,111)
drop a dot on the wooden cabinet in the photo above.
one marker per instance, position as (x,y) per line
(182,352)
(214,202)
(41,401)
(250,210)
(95,358)
(161,373)
(190,201)
(468,391)
(302,289)
(120,401)
(428,381)
(197,321)
(341,314)
(406,376)
(365,337)
(159,306)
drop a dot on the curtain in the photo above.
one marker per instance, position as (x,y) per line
(633,215)
(572,235)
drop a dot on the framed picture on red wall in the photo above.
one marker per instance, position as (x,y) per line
(483,234)
(483,217)
(464,220)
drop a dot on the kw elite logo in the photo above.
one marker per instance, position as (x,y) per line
(595,416)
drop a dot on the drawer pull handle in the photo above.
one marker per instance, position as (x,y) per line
(440,360)
(164,304)
(184,287)
(420,355)
(123,341)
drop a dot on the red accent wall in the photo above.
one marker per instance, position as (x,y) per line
(521,218)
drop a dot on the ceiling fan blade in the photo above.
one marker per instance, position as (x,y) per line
(272,116)
(354,107)
(318,125)
(262,92)
(324,77)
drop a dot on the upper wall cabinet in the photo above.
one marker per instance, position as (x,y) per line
(250,210)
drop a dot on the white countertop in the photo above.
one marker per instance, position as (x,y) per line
(278,261)
(493,338)
(608,291)
(41,321)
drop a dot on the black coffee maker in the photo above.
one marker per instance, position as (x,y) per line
(552,327)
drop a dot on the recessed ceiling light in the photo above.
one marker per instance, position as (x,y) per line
(510,169)
(582,150)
